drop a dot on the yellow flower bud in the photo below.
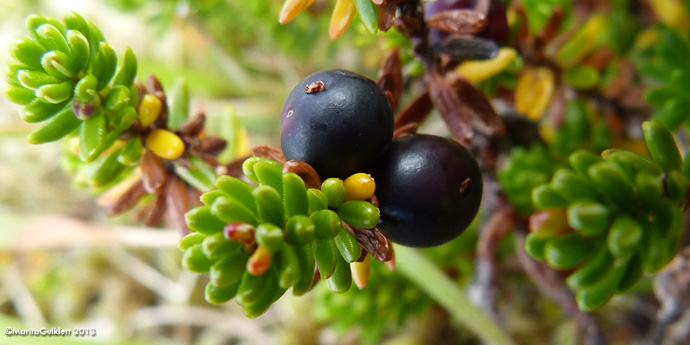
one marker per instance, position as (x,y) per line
(476,71)
(359,186)
(259,262)
(340,19)
(534,91)
(165,144)
(149,109)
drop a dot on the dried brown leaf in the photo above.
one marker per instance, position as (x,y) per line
(193,126)
(386,14)
(157,211)
(177,203)
(499,224)
(621,81)
(408,129)
(153,172)
(305,171)
(391,263)
(234,168)
(391,99)
(374,200)
(390,77)
(478,107)
(633,98)
(153,84)
(406,24)
(128,199)
(209,158)
(458,21)
(162,120)
(449,105)
(523,37)
(269,152)
(194,197)
(373,241)
(416,111)
(141,91)
(551,29)
(599,59)
(212,144)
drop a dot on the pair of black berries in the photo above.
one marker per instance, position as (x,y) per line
(429,188)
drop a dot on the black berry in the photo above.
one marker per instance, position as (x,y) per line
(337,121)
(429,190)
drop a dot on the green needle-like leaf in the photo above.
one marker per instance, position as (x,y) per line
(662,146)
(128,69)
(341,280)
(195,260)
(55,128)
(368,12)
(219,295)
(325,255)
(294,195)
(270,236)
(229,211)
(424,273)
(624,237)
(359,213)
(104,65)
(269,205)
(229,270)
(200,219)
(92,137)
(347,246)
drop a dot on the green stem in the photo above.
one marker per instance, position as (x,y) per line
(420,270)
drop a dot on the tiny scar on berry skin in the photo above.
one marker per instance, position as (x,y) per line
(290,113)
(463,185)
(315,87)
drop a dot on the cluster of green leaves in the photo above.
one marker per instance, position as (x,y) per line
(665,63)
(66,76)
(528,167)
(256,242)
(390,292)
(387,293)
(611,217)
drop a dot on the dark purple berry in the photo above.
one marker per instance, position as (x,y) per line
(429,190)
(337,121)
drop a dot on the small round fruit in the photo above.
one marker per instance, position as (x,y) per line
(337,121)
(496,29)
(429,189)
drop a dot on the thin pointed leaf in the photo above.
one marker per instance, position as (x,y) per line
(458,21)
(449,105)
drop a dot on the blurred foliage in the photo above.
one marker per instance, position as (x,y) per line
(389,293)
